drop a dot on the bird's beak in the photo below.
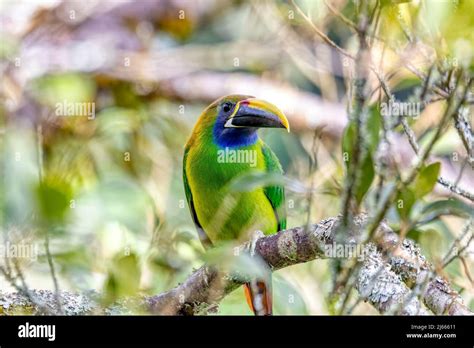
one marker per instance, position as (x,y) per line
(257,113)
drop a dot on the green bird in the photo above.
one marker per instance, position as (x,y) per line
(224,145)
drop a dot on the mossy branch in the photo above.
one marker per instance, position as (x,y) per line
(393,276)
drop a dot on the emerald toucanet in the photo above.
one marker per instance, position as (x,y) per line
(229,126)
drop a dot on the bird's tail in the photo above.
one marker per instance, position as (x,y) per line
(259,295)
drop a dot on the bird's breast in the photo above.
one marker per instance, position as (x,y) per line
(223,213)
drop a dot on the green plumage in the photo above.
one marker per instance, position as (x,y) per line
(226,215)
(219,213)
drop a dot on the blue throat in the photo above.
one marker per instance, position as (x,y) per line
(233,137)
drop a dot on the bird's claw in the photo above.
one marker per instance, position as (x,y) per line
(253,242)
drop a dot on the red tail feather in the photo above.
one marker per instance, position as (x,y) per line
(259,297)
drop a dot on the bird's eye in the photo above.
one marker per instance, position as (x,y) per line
(226,107)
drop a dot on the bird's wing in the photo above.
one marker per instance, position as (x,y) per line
(206,242)
(275,194)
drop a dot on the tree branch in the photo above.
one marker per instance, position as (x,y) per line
(465,133)
(409,263)
(387,277)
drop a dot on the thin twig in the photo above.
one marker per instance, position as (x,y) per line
(450,258)
(323,36)
(465,133)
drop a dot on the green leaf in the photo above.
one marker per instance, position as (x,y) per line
(348,142)
(426,179)
(432,242)
(367,166)
(449,207)
(365,177)
(404,203)
(414,234)
(53,201)
(373,128)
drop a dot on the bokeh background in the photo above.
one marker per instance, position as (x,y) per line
(111,198)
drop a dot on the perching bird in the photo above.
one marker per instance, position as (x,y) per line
(223,146)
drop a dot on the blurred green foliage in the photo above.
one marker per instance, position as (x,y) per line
(111,194)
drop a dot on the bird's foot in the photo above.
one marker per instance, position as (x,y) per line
(253,242)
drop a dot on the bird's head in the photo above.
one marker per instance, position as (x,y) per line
(235,119)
